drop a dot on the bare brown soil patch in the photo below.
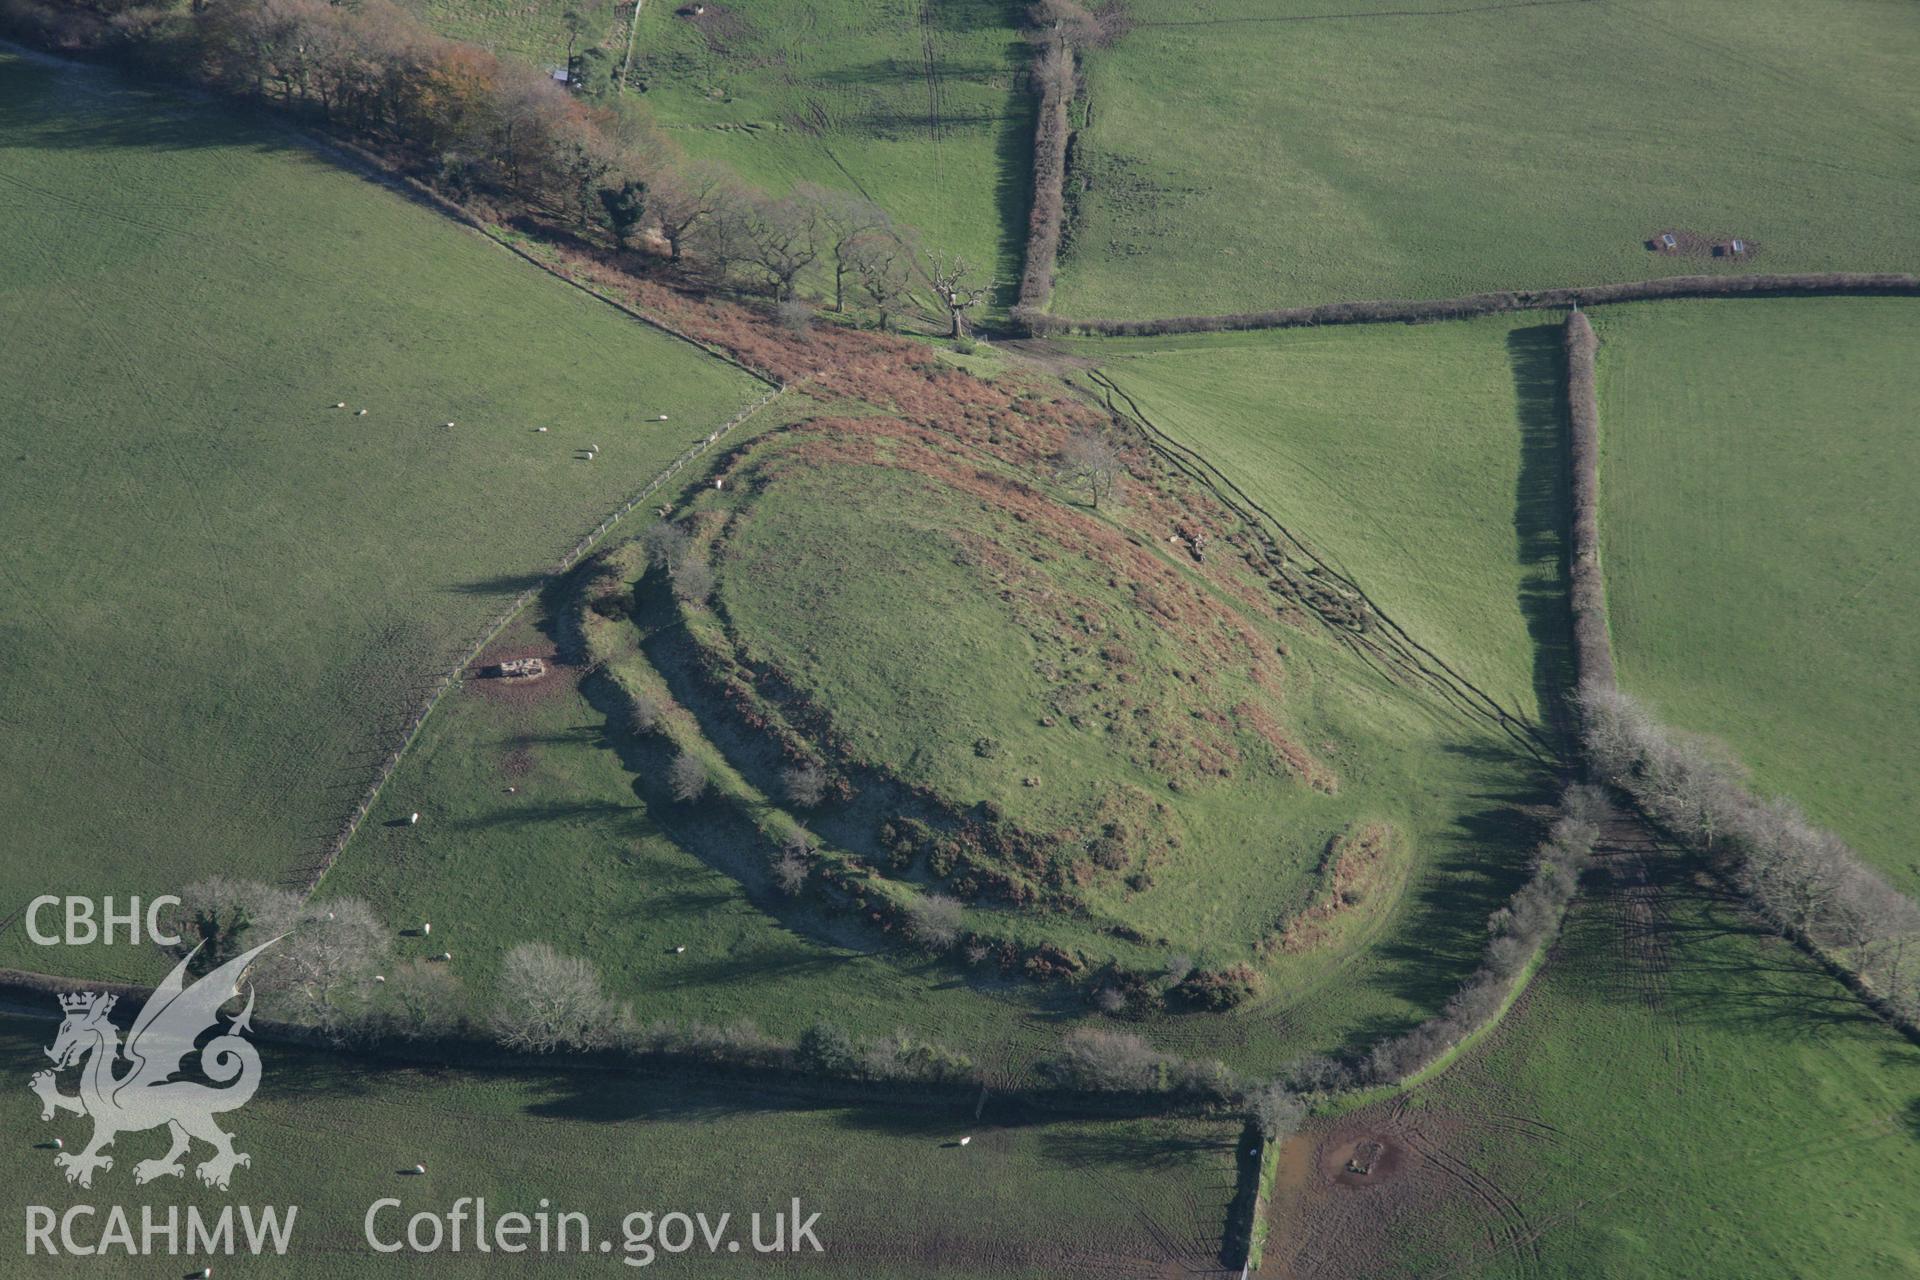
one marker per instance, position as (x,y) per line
(1365,1159)
(1391,1182)
(1352,868)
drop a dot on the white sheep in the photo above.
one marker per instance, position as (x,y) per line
(719,482)
(340,404)
(661,418)
(359,413)
(379,977)
(59,1145)
(426,929)
(413,819)
(679,951)
(444,957)
(449,424)
(964,1141)
(419,1168)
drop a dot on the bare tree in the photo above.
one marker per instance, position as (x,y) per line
(959,288)
(781,238)
(791,864)
(685,201)
(805,784)
(845,221)
(424,1000)
(1088,461)
(1277,1111)
(1079,25)
(934,920)
(665,544)
(1108,1061)
(643,714)
(882,265)
(549,1001)
(687,778)
(692,579)
(322,973)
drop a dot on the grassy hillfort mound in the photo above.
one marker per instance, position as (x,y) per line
(1138,749)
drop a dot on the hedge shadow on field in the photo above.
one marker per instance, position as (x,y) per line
(1013,185)
(1483,860)
(157,123)
(1542,500)
(1133,1150)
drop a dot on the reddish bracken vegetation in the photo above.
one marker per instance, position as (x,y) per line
(1351,870)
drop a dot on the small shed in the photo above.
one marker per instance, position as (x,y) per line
(520,669)
(1668,242)
(1738,248)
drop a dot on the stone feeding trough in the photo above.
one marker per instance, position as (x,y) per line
(517,669)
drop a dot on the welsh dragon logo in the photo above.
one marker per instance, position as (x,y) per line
(145,1096)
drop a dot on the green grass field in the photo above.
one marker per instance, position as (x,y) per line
(331,1135)
(574,855)
(919,106)
(1241,157)
(1758,481)
(1676,1093)
(226,596)
(533,30)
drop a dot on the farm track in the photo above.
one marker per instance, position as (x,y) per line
(1387,646)
(936,91)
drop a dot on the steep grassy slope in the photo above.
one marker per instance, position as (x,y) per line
(1759,475)
(224,594)
(1243,155)
(1425,463)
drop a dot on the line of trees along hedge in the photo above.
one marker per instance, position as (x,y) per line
(503,135)
(1054,76)
(1404,310)
(1803,880)
(1593,651)
(1063,29)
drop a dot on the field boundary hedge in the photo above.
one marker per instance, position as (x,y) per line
(1387,311)
(376,168)
(1592,643)
(473,1053)
(451,677)
(1054,73)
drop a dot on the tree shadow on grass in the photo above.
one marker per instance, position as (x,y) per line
(1128,1147)
(1542,507)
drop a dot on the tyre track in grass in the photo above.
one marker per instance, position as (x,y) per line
(1387,646)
